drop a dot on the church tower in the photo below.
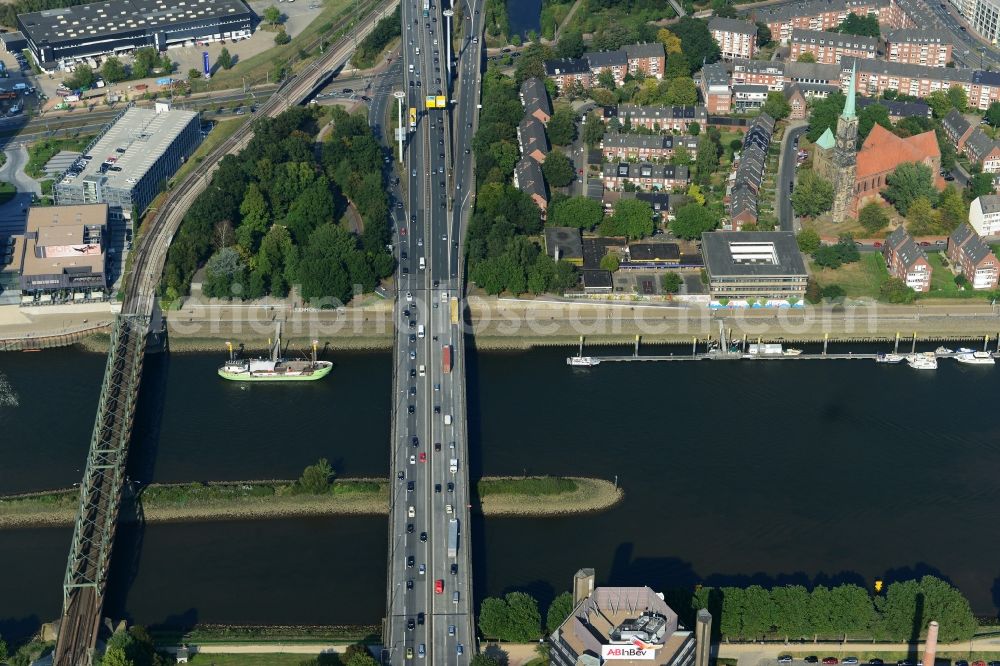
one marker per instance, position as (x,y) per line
(845,156)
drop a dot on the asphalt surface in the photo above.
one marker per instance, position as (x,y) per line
(429,403)
(786,218)
(14,212)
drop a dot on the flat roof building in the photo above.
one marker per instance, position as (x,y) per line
(62,249)
(745,265)
(564,243)
(112,26)
(127,165)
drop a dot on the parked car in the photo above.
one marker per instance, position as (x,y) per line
(785,659)
(829,661)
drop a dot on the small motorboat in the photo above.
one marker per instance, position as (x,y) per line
(890,358)
(583,361)
(791,352)
(970,357)
(943,351)
(926,361)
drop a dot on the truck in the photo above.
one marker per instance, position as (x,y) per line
(71,98)
(446,358)
(427,7)
(453,538)
(453,465)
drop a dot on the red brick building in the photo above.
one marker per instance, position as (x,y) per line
(827,14)
(830,47)
(970,253)
(905,260)
(883,151)
(736,39)
(918,47)
(876,76)
(770,73)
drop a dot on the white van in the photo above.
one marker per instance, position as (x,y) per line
(422,371)
(420,331)
(423,264)
(447,419)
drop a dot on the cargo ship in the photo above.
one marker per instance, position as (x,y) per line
(275,368)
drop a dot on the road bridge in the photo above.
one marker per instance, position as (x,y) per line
(101,489)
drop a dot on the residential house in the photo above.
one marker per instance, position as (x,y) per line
(906,261)
(531,137)
(898,110)
(826,14)
(796,101)
(658,118)
(617,146)
(830,47)
(748,97)
(644,176)
(770,73)
(615,62)
(535,99)
(564,244)
(528,179)
(736,39)
(983,150)
(919,46)
(664,205)
(648,58)
(566,72)
(957,128)
(973,257)
(715,90)
(745,182)
(813,73)
(874,77)
(984,215)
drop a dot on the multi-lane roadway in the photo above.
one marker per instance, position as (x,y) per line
(429,590)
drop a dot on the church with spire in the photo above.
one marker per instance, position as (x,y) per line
(859,176)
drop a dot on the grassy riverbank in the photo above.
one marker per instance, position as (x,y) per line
(262,500)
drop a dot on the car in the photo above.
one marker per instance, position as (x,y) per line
(409,297)
(419,84)
(410,409)
(411,624)
(466,151)
(451,487)
(949,177)
(961,662)
(437,387)
(411,84)
(850,660)
(421,651)
(451,630)
(409,653)
(877,244)
(437,487)
(924,243)
(458,648)
(409,528)
(409,584)
(413,390)
(469,125)
(875,661)
(410,561)
(906,662)
(829,661)
(454,569)
(409,486)
(580,171)
(811,659)
(423,457)
(785,659)
(415,441)
(422,569)
(347,91)
(506,49)
(439,586)
(400,476)
(939,242)
(413,336)
(413,460)
(423,537)
(437,446)
(366,98)
(420,242)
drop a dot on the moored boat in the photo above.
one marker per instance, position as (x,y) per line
(276,368)
(926,361)
(890,358)
(943,351)
(583,361)
(975,358)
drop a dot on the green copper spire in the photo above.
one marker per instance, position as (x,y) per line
(849,104)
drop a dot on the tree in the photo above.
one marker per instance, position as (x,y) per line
(952,209)
(958,98)
(570,44)
(581,212)
(894,290)
(671,42)
(532,62)
(697,42)
(806,56)
(115,656)
(993,114)
(194,73)
(939,102)
(823,114)
(559,610)
(909,181)
(83,77)
(922,218)
(632,218)
(694,129)
(692,220)
(671,282)
(723,9)
(808,241)
(868,117)
(484,660)
(681,92)
(513,618)
(225,60)
(980,184)
(281,37)
(791,604)
(256,217)
(763,34)
(873,217)
(813,195)
(677,66)
(225,274)
(610,262)
(562,126)
(316,479)
(593,130)
(695,195)
(707,159)
(777,105)
(557,169)
(865,26)
(272,15)
(834,256)
(606,79)
(113,70)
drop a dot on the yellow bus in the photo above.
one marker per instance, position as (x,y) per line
(442,102)
(431,102)
(454,310)
(413,117)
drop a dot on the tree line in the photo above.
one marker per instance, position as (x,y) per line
(372,46)
(271,217)
(791,612)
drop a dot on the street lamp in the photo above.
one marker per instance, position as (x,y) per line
(447,33)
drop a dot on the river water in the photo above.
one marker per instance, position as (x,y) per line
(524,16)
(768,472)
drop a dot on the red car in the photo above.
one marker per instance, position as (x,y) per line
(402,231)
(439,586)
(423,457)
(877,244)
(830,660)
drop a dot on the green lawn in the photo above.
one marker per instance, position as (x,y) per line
(7,191)
(260,659)
(858,280)
(943,282)
(223,130)
(42,151)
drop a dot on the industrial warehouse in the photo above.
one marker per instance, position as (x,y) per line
(58,37)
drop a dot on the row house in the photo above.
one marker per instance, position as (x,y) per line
(748,97)
(648,59)
(918,47)
(898,110)
(645,147)
(532,140)
(745,182)
(957,128)
(813,73)
(830,47)
(736,38)
(528,179)
(973,257)
(770,73)
(659,118)
(608,61)
(984,215)
(826,15)
(906,261)
(874,77)
(715,90)
(645,176)
(568,72)
(535,100)
(984,151)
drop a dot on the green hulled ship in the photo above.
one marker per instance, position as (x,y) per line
(276,368)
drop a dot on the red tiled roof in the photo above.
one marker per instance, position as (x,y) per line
(883,151)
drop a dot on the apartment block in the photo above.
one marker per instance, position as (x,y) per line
(567,72)
(984,215)
(957,128)
(715,90)
(736,39)
(528,178)
(535,99)
(827,14)
(748,97)
(770,73)
(973,257)
(898,110)
(644,176)
(876,76)
(905,260)
(918,47)
(829,47)
(658,118)
(532,139)
(645,147)
(649,59)
(983,150)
